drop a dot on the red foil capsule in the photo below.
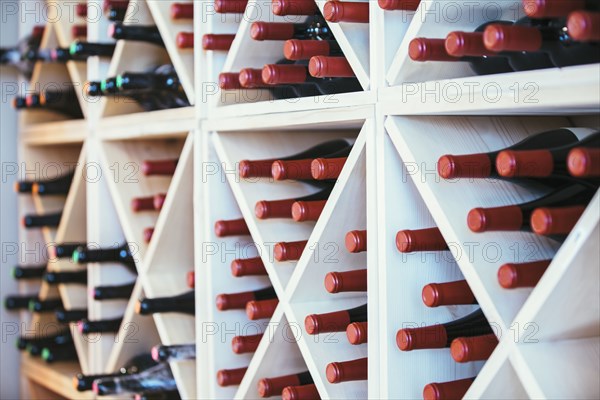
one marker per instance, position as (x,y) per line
(217,42)
(142,204)
(447,294)
(182,11)
(191,279)
(236,227)
(79,31)
(508,218)
(304,392)
(159,167)
(261,309)
(295,49)
(159,201)
(430,239)
(461,44)
(229,81)
(475,348)
(230,6)
(330,67)
(555,220)
(289,251)
(349,281)
(404,5)
(447,390)
(276,74)
(423,49)
(248,267)
(251,78)
(584,26)
(584,162)
(357,332)
(274,209)
(327,168)
(271,30)
(245,344)
(512,276)
(346,11)
(230,377)
(551,8)
(185,40)
(464,166)
(256,168)
(147,234)
(294,7)
(498,38)
(307,210)
(292,169)
(355,370)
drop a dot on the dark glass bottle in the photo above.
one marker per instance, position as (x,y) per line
(18,302)
(64,250)
(156,378)
(133,366)
(67,316)
(86,326)
(20,56)
(81,49)
(58,186)
(37,345)
(314,28)
(47,305)
(162,353)
(61,336)
(61,101)
(121,254)
(28,272)
(120,292)
(237,301)
(138,33)
(336,321)
(56,354)
(66,277)
(184,303)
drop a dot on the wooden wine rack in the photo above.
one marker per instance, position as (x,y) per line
(408,115)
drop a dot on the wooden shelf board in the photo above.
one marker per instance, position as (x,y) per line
(57,132)
(156,124)
(57,377)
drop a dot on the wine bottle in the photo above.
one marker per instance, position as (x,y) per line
(356,241)
(549,162)
(162,79)
(269,387)
(481,165)
(441,335)
(87,49)
(133,366)
(425,49)
(447,294)
(191,279)
(403,5)
(357,332)
(556,8)
(28,272)
(512,276)
(56,354)
(66,277)
(63,250)
(36,347)
(248,267)
(19,57)
(584,26)
(315,27)
(307,210)
(295,49)
(303,392)
(61,336)
(429,239)
(67,316)
(121,254)
(18,302)
(518,217)
(299,73)
(159,167)
(550,221)
(79,31)
(160,395)
(327,168)
(42,306)
(346,11)
(336,321)
(230,6)
(447,390)
(62,55)
(81,10)
(183,303)
(214,42)
(294,7)
(143,204)
(269,209)
(301,169)
(120,292)
(57,186)
(138,33)
(184,40)
(63,102)
(42,221)
(116,14)
(230,377)
(262,168)
(162,353)
(551,38)
(245,344)
(348,281)
(347,371)
(227,228)
(182,11)
(289,251)
(156,378)
(86,326)
(237,301)
(474,348)
(260,309)
(584,162)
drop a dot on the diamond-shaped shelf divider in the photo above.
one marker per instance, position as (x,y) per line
(170,257)
(402,277)
(182,59)
(133,56)
(233,147)
(213,277)
(457,16)
(326,252)
(124,160)
(479,255)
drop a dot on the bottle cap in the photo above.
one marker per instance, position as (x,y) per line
(255,169)
(251,78)
(550,8)
(294,7)
(424,49)
(295,49)
(497,37)
(330,322)
(81,31)
(307,210)
(327,168)
(182,11)
(447,390)
(289,251)
(304,392)
(584,26)
(235,301)
(275,74)
(293,169)
(475,348)
(357,332)
(349,281)
(230,6)
(530,163)
(460,44)
(555,220)
(230,377)
(344,11)
(81,10)
(356,241)
(271,30)
(247,267)
(185,40)
(245,344)
(584,162)
(330,67)
(261,309)
(217,42)
(274,209)
(464,166)
(509,218)
(142,204)
(229,81)
(430,337)
(231,227)
(511,276)
(338,372)
(147,234)
(406,5)
(159,167)
(429,239)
